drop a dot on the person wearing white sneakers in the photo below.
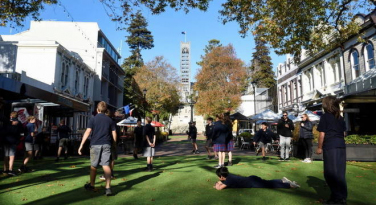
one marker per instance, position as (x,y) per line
(306,137)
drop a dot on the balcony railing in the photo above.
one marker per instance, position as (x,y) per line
(12,75)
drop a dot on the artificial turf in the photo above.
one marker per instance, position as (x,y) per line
(181,180)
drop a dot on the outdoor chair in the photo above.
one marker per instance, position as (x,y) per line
(244,143)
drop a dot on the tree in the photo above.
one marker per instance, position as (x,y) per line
(214,43)
(262,67)
(17,10)
(161,80)
(220,81)
(139,38)
(288,26)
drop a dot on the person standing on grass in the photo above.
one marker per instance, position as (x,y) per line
(114,155)
(100,127)
(220,133)
(263,137)
(12,133)
(63,134)
(208,135)
(229,138)
(285,127)
(306,136)
(138,139)
(228,180)
(332,130)
(192,134)
(149,144)
(29,143)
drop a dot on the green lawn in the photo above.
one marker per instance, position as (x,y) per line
(181,180)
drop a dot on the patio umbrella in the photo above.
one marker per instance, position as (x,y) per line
(266,115)
(156,124)
(129,122)
(312,116)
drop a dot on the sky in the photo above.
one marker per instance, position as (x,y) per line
(167,28)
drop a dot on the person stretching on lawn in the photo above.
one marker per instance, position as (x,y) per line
(228,180)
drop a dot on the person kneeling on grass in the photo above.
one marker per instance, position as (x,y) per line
(228,180)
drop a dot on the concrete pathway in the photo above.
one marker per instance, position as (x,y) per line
(179,145)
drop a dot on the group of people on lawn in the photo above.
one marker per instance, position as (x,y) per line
(102,130)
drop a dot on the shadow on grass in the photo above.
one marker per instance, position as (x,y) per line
(79,194)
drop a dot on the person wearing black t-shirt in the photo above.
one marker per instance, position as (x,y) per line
(208,135)
(12,135)
(228,180)
(149,144)
(331,143)
(192,134)
(263,137)
(138,139)
(101,127)
(63,134)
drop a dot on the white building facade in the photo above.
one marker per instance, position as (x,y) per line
(73,61)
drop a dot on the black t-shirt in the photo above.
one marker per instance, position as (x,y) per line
(233,181)
(63,131)
(101,126)
(334,131)
(138,133)
(209,131)
(192,132)
(149,132)
(13,132)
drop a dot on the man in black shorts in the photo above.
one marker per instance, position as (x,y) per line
(100,146)
(192,133)
(138,139)
(63,134)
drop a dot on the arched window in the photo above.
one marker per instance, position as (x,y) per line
(77,81)
(64,74)
(355,64)
(369,56)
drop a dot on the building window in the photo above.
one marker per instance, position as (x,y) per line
(355,64)
(77,81)
(369,57)
(86,86)
(64,75)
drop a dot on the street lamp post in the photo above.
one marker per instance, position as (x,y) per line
(254,84)
(144,92)
(191,103)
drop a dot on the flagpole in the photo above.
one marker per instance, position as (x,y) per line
(185,37)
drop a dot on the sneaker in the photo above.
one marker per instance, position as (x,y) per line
(5,172)
(88,187)
(263,158)
(229,163)
(102,178)
(197,152)
(216,157)
(208,157)
(12,173)
(287,159)
(218,166)
(294,185)
(281,159)
(108,192)
(193,151)
(135,156)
